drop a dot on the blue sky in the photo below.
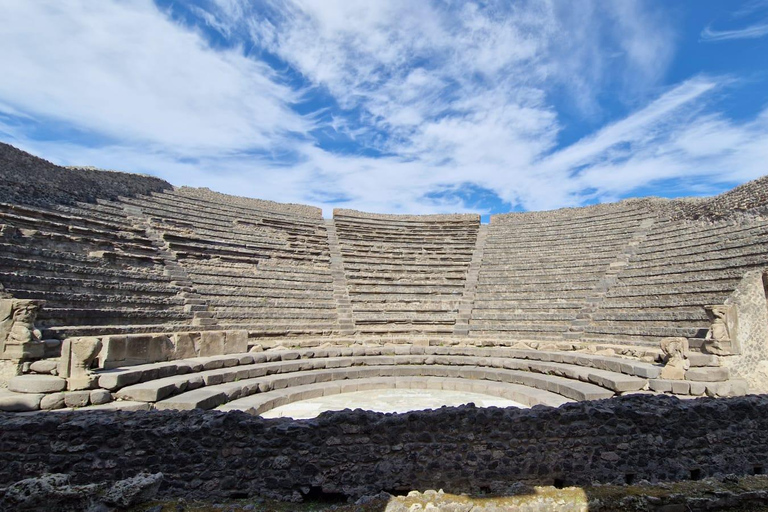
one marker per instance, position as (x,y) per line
(396,106)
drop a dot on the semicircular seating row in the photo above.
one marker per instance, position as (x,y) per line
(260,381)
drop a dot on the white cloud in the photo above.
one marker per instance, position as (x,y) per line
(125,71)
(435,98)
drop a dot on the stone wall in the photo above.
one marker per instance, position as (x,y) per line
(752,333)
(356,453)
(27,179)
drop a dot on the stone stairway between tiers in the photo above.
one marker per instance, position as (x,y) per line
(340,290)
(609,279)
(193,302)
(461,327)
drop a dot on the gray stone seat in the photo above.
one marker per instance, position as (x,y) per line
(566,387)
(120,377)
(189,375)
(262,402)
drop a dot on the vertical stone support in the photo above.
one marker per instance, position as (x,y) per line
(346,320)
(461,327)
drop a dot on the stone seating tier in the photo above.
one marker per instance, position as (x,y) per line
(112,212)
(226,204)
(263,402)
(207,382)
(404,274)
(685,234)
(594,214)
(252,206)
(63,220)
(680,267)
(92,273)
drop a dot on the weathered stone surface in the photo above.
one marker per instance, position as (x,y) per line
(722,334)
(212,343)
(19,339)
(133,491)
(52,401)
(36,384)
(100,396)
(235,342)
(77,398)
(55,492)
(77,356)
(707,374)
(186,344)
(44,366)
(19,402)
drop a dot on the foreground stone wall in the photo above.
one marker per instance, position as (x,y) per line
(27,179)
(356,453)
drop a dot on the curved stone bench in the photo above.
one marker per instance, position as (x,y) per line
(215,386)
(263,402)
(121,377)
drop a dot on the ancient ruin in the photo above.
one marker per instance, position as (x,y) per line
(122,292)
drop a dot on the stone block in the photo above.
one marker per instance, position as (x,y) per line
(681,387)
(77,398)
(100,396)
(672,373)
(113,352)
(212,343)
(661,386)
(245,359)
(52,401)
(137,349)
(160,348)
(121,405)
(37,384)
(44,366)
(186,344)
(235,342)
(698,388)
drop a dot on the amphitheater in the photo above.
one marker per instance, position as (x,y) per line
(120,292)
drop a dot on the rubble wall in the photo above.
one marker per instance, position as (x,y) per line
(355,453)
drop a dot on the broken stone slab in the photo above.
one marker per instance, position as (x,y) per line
(36,384)
(707,374)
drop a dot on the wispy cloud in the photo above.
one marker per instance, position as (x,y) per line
(751,32)
(757,30)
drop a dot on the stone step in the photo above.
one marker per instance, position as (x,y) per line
(262,402)
(158,389)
